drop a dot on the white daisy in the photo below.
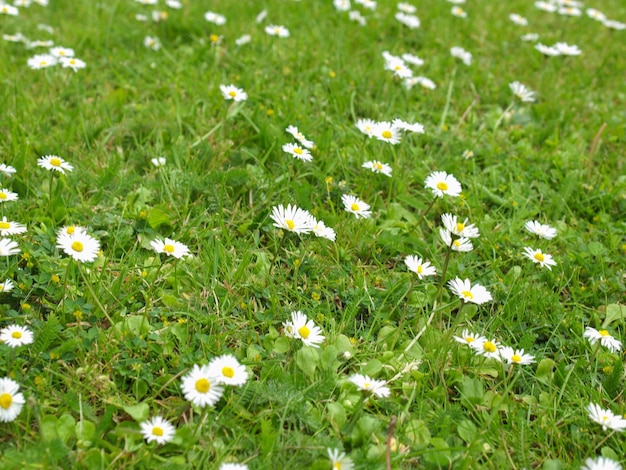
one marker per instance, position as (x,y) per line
(366,126)
(601,463)
(522,92)
(387,132)
(233,466)
(462,54)
(442,183)
(419,267)
(366,384)
(488,348)
(355,206)
(415,127)
(11,401)
(293,130)
(157,429)
(547,50)
(410,21)
(7,286)
(8,10)
(8,247)
(54,163)
(476,294)
(546,6)
(542,230)
(537,256)
(341,5)
(604,337)
(376,167)
(152,42)
(201,388)
(612,24)
(461,244)
(399,68)
(72,63)
(292,219)
(158,161)
(277,30)
(356,15)
(298,151)
(245,39)
(62,52)
(406,8)
(460,229)
(15,335)
(321,230)
(518,19)
(516,356)
(458,12)
(606,418)
(11,228)
(339,460)
(41,61)
(530,37)
(231,92)
(215,18)
(567,49)
(301,328)
(412,59)
(170,247)
(79,245)
(7,169)
(228,371)
(469,338)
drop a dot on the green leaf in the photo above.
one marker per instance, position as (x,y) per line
(544,370)
(65,427)
(282,345)
(138,412)
(372,368)
(552,464)
(614,312)
(418,432)
(137,325)
(329,358)
(158,216)
(336,414)
(467,431)
(85,432)
(48,427)
(472,391)
(307,359)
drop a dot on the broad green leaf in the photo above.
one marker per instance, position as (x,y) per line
(138,412)
(307,359)
(614,312)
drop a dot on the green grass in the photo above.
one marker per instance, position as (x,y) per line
(89,383)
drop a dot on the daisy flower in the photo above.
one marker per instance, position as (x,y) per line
(516,356)
(460,229)
(369,4)
(201,388)
(292,219)
(462,54)
(227,370)
(470,338)
(8,247)
(537,256)
(356,15)
(11,401)
(41,61)
(569,11)
(261,17)
(522,92)
(547,50)
(54,163)
(10,228)
(366,384)
(475,294)
(424,82)
(298,151)
(567,49)
(174,4)
(458,12)
(531,37)
(604,337)
(442,183)
(71,230)
(320,230)
(215,18)
(407,126)
(293,130)
(6,286)
(601,463)
(245,39)
(7,169)
(376,167)
(17,37)
(170,247)
(419,267)
(233,466)
(467,154)
(40,43)
(410,21)
(158,161)
(543,231)
(399,68)
(595,14)
(72,63)
(341,5)
(62,52)
(157,429)
(277,30)
(487,348)
(301,328)
(546,6)
(231,92)
(79,245)
(518,19)
(387,132)
(8,10)
(606,418)
(355,206)
(406,8)
(412,59)
(366,126)
(152,42)
(15,335)
(462,244)
(612,24)
(339,460)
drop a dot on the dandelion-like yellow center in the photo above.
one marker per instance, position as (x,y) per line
(290,224)
(442,186)
(5,225)
(456,243)
(203,385)
(70,230)
(16,334)
(516,358)
(228,372)
(77,246)
(467,294)
(232,93)
(43,63)
(470,339)
(420,268)
(355,207)
(387,134)
(304,331)
(603,333)
(489,347)
(539,257)
(3,195)
(297,150)
(55,161)
(168,248)
(378,166)
(460,227)
(214,37)
(72,61)
(337,466)
(6,400)
(157,431)
(605,418)
(277,30)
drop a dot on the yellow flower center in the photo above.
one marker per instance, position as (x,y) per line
(304,331)
(3,195)
(467,294)
(460,227)
(355,207)
(489,347)
(387,134)
(290,224)
(470,339)
(4,225)
(605,418)
(539,257)
(16,334)
(378,166)
(232,93)
(55,161)
(168,248)
(337,466)
(297,150)
(70,230)
(6,400)
(214,37)
(77,246)
(228,372)
(203,385)
(420,268)
(72,61)
(604,333)
(442,186)
(157,431)
(516,358)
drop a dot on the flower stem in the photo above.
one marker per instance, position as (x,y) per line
(358,408)
(94,296)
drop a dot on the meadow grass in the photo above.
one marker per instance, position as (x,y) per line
(113,338)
